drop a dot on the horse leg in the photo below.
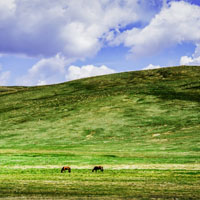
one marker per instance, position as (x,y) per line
(62,170)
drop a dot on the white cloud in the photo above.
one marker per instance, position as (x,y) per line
(4,77)
(192,60)
(54,70)
(75,28)
(46,71)
(185,60)
(177,23)
(7,9)
(75,72)
(150,66)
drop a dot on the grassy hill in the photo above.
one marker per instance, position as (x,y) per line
(150,116)
(143,127)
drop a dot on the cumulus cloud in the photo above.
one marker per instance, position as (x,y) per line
(75,72)
(7,8)
(192,60)
(176,23)
(150,66)
(75,28)
(186,60)
(54,70)
(61,32)
(4,77)
(46,71)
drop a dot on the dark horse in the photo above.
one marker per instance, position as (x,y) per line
(66,168)
(97,168)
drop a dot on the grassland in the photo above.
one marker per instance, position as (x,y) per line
(147,122)
(112,184)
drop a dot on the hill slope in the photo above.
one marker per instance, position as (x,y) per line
(148,116)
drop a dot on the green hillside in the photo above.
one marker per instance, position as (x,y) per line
(150,116)
(143,127)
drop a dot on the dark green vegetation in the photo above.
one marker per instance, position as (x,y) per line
(145,117)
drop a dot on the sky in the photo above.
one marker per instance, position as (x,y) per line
(48,41)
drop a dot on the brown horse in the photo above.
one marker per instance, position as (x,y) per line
(66,168)
(97,168)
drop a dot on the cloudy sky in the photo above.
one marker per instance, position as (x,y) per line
(48,41)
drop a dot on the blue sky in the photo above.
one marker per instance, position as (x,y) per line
(47,42)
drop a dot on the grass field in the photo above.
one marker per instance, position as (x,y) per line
(143,127)
(111,184)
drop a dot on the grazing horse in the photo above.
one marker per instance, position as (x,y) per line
(66,168)
(97,168)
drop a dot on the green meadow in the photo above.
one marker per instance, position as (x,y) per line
(112,184)
(142,126)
